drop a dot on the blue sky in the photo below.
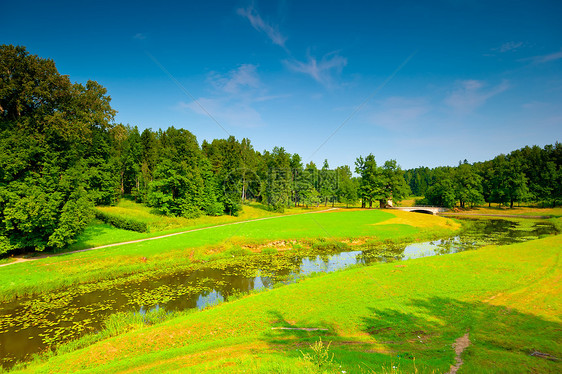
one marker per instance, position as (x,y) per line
(426,84)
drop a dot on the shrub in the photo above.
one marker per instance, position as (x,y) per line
(126,223)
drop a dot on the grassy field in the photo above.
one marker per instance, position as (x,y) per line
(99,233)
(198,246)
(375,318)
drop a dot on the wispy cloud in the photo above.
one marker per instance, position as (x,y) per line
(234,98)
(230,112)
(470,94)
(139,36)
(509,46)
(544,58)
(244,77)
(535,105)
(260,25)
(322,70)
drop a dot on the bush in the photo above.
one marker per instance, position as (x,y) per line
(126,223)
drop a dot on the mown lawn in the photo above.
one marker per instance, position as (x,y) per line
(180,250)
(506,298)
(99,233)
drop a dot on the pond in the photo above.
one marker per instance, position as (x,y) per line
(33,325)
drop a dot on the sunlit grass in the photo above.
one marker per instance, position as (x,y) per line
(99,233)
(377,318)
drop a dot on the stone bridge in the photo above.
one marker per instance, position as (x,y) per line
(422,209)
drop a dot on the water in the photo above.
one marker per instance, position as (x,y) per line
(33,325)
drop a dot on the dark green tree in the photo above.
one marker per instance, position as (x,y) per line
(468,185)
(394,187)
(371,183)
(442,193)
(48,127)
(327,183)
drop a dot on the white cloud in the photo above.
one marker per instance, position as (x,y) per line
(470,94)
(546,58)
(260,25)
(235,81)
(321,70)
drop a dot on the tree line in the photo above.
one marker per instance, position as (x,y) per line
(530,174)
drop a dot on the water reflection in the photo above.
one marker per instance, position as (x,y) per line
(32,325)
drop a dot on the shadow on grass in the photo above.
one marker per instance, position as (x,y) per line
(502,339)
(86,239)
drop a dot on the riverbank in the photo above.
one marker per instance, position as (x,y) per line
(173,252)
(506,298)
(516,212)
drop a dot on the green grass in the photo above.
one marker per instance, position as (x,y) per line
(507,298)
(204,245)
(99,233)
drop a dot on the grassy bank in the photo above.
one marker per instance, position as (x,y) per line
(516,211)
(506,298)
(204,245)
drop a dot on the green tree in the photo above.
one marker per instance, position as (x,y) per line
(468,185)
(394,187)
(48,130)
(509,181)
(178,187)
(371,183)
(278,182)
(327,184)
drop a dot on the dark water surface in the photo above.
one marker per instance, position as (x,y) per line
(32,325)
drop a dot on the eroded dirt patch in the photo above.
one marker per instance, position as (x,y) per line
(459,346)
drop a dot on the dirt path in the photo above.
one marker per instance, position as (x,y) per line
(459,346)
(21,258)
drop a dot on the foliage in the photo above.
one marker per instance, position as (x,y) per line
(51,172)
(126,223)
(442,193)
(530,174)
(380,183)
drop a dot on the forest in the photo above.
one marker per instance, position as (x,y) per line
(62,154)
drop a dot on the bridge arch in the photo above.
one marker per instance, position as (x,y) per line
(422,209)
